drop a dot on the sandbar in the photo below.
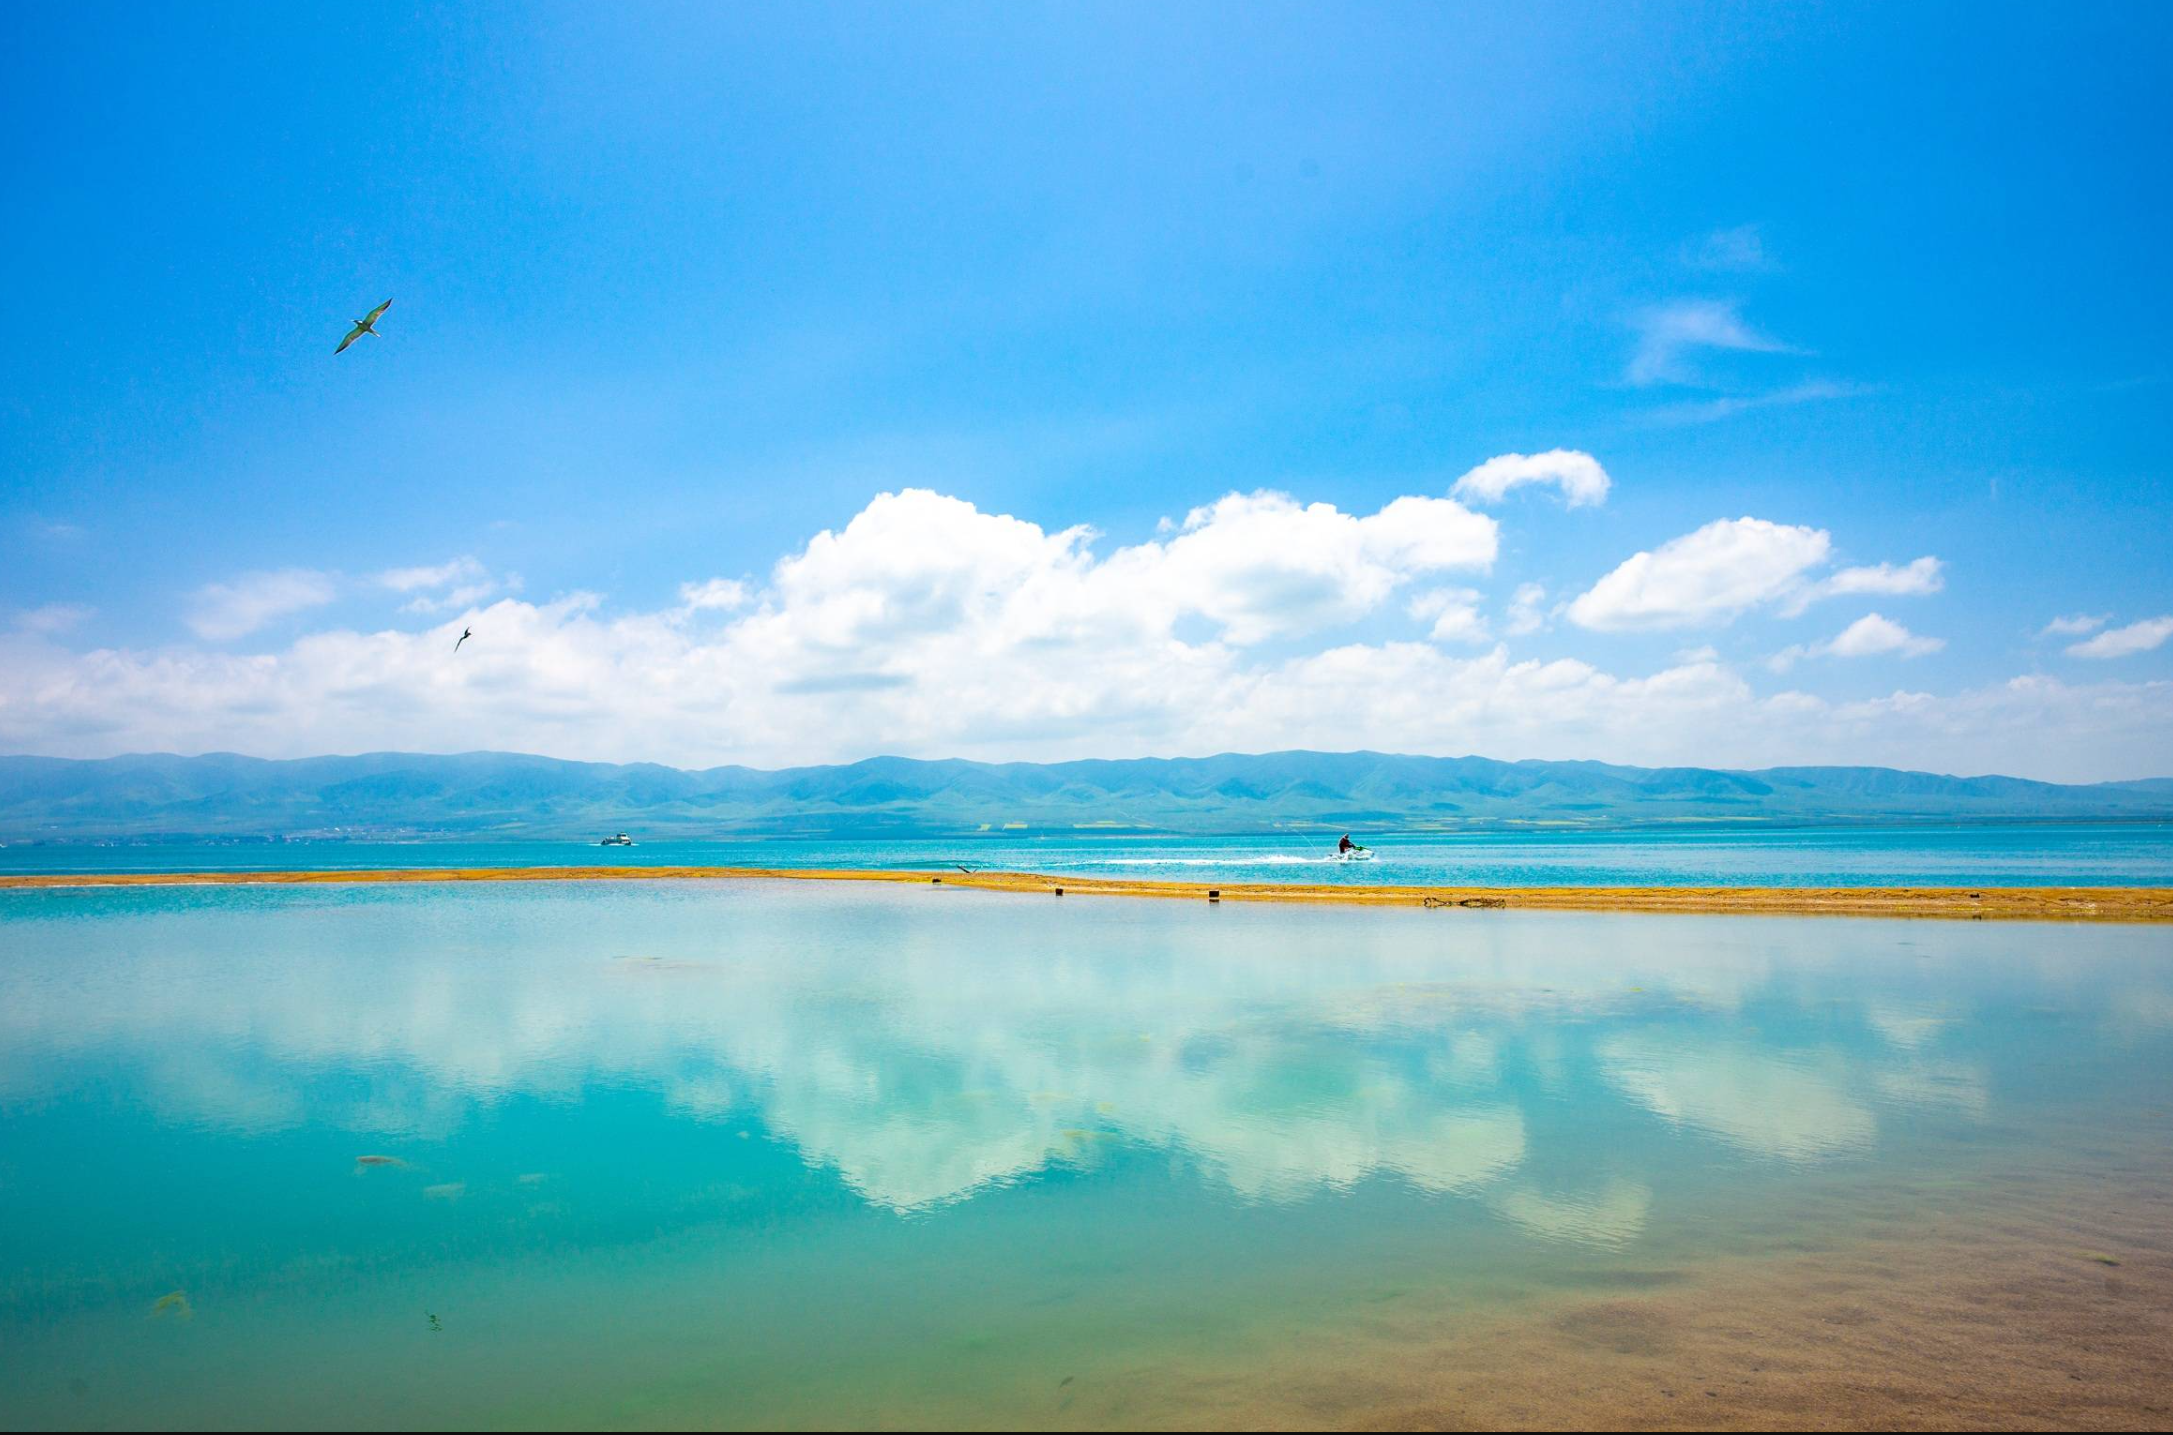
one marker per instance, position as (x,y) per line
(2060,904)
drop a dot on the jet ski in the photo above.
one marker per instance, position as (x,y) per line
(1355,854)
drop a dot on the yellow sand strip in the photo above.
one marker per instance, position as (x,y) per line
(2067,904)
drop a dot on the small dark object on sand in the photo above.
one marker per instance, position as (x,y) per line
(1214,894)
(1060,891)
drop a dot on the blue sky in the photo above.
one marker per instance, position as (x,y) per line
(678,289)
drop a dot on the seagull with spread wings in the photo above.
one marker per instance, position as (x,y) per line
(367,324)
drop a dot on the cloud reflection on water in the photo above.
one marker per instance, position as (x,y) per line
(927,1052)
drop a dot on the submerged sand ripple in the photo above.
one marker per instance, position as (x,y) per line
(2000,1324)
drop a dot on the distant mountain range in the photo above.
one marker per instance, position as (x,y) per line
(491,794)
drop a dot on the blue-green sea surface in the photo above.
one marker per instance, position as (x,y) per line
(754,1154)
(1980,854)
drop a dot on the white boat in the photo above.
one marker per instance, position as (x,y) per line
(622,840)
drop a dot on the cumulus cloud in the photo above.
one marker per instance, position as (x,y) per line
(1454,613)
(2121,642)
(1711,575)
(220,612)
(1730,566)
(2074,626)
(721,595)
(1872,634)
(1869,636)
(1912,579)
(915,567)
(1670,335)
(928,627)
(1527,609)
(1578,475)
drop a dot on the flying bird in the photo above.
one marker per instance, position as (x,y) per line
(367,324)
(465,634)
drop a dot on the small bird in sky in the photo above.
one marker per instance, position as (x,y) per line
(367,324)
(465,634)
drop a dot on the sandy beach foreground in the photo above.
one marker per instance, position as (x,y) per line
(2064,904)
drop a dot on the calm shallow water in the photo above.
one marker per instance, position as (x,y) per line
(2128,854)
(749,1153)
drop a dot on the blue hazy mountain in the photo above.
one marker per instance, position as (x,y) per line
(511,795)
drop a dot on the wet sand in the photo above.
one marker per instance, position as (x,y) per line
(2064,904)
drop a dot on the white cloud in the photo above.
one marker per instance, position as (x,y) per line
(222,611)
(411,580)
(1670,334)
(722,595)
(1741,249)
(1525,609)
(54,618)
(927,627)
(446,587)
(1872,634)
(1730,566)
(1708,576)
(2121,642)
(1869,636)
(1261,566)
(1455,614)
(1579,476)
(1424,534)
(2074,626)
(1920,576)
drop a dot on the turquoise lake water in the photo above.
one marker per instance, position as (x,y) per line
(1990,855)
(715,1153)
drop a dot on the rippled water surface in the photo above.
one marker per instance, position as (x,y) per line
(755,1153)
(2030,854)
